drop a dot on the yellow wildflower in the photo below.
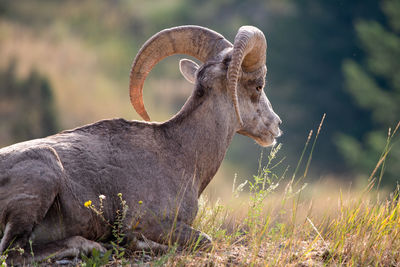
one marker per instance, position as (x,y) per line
(140,202)
(88,203)
(119,195)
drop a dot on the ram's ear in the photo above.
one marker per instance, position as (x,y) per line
(188,69)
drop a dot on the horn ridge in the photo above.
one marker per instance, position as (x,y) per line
(249,54)
(195,41)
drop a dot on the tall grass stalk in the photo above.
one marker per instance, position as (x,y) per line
(388,146)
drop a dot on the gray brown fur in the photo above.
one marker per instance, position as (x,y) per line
(45,182)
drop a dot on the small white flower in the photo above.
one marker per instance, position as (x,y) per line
(102,197)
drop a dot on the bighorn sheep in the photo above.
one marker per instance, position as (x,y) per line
(156,166)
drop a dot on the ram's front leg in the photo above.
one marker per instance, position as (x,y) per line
(179,233)
(186,236)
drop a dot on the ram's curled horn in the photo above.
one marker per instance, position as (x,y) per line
(195,41)
(249,54)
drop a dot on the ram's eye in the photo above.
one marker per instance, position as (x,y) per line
(259,88)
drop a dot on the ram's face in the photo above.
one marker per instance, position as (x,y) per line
(260,122)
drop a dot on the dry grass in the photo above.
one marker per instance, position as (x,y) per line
(337,225)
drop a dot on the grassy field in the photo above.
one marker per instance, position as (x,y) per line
(328,223)
(288,223)
(350,229)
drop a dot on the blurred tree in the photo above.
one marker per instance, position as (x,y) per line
(374,83)
(309,46)
(26,107)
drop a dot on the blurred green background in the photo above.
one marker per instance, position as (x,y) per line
(64,63)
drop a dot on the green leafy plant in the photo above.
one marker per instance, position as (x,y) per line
(4,255)
(117,227)
(117,230)
(33,262)
(3,261)
(96,259)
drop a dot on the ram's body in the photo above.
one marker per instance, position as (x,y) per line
(159,168)
(105,158)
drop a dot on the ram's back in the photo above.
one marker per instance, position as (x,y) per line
(91,160)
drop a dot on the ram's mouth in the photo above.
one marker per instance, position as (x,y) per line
(275,134)
(269,138)
(265,138)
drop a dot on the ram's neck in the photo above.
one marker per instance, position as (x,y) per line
(202,132)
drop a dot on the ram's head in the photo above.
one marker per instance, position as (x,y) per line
(236,72)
